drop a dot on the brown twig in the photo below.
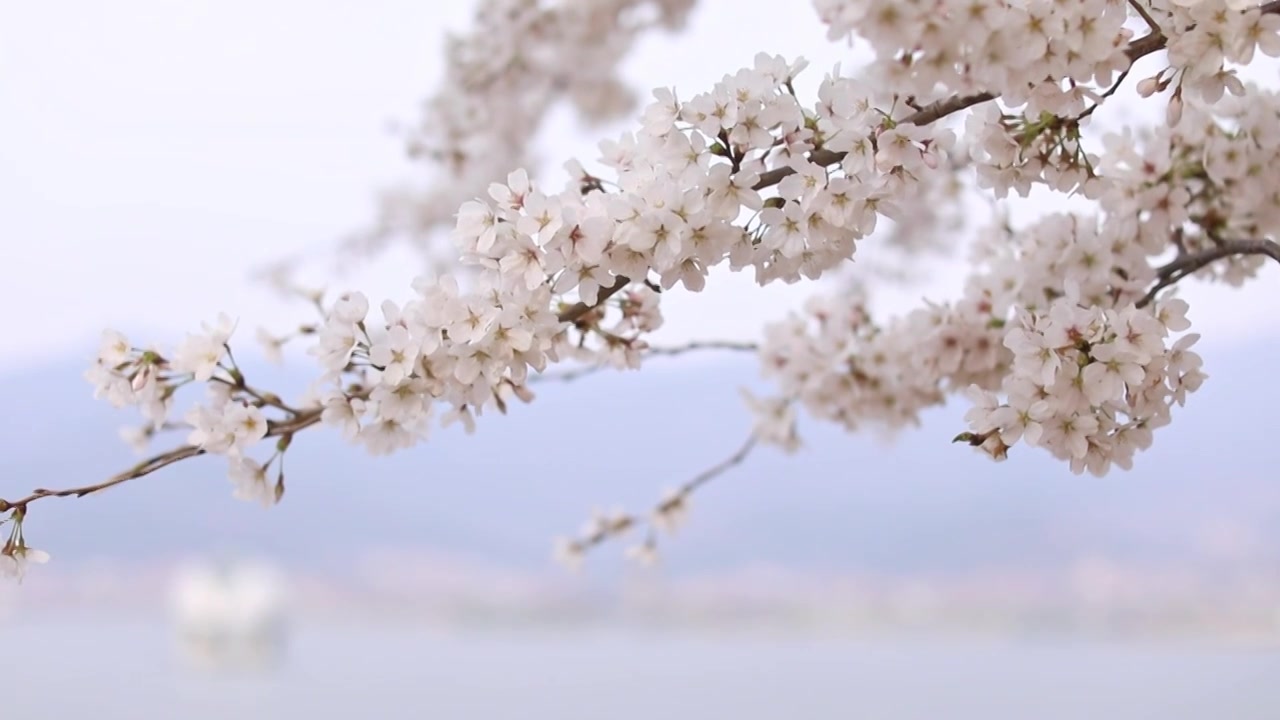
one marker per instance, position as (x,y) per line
(720,468)
(281,428)
(145,467)
(1190,263)
(264,399)
(697,345)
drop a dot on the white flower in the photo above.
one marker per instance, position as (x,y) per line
(1106,377)
(114,349)
(230,428)
(350,308)
(337,340)
(786,228)
(1070,434)
(1172,314)
(1023,423)
(109,383)
(775,421)
(271,345)
(200,354)
(396,353)
(981,418)
(15,559)
(1034,357)
(671,512)
(511,195)
(643,553)
(250,480)
(568,554)
(343,412)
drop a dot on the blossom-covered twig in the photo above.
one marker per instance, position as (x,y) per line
(501,78)
(666,516)
(282,429)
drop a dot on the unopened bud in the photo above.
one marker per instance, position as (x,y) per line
(523,392)
(1149,87)
(143,377)
(1173,113)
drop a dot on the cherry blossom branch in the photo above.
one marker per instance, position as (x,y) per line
(924,116)
(1136,50)
(282,428)
(1191,263)
(298,420)
(302,419)
(666,515)
(509,69)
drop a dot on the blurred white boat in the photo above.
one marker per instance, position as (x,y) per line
(230,614)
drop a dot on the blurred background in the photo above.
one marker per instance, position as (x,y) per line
(154,155)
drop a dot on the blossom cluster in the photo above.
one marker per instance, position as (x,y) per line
(1043,54)
(683,185)
(1090,385)
(230,422)
(1213,177)
(501,78)
(1207,37)
(1065,276)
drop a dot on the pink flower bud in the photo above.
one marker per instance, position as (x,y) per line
(143,377)
(1173,113)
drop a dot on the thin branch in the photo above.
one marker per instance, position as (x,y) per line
(667,509)
(271,399)
(281,428)
(697,345)
(1110,91)
(145,467)
(719,469)
(1190,263)
(704,345)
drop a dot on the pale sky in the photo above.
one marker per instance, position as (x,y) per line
(153,154)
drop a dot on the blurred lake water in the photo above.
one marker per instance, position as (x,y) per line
(67,669)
